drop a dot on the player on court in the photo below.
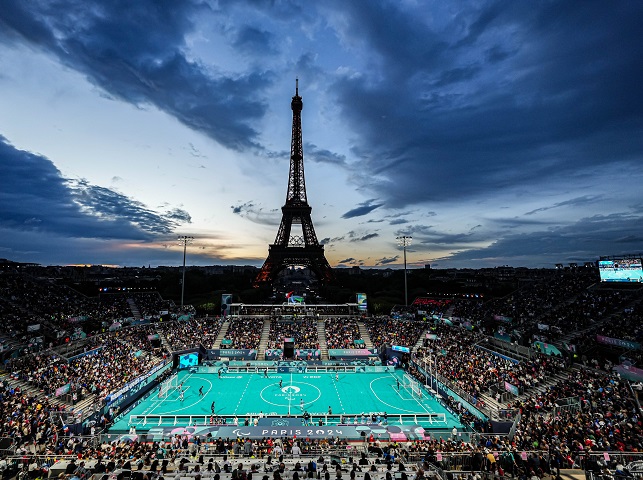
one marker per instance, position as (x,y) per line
(281,383)
(337,376)
(201,391)
(181,396)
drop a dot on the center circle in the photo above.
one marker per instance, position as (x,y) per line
(291,396)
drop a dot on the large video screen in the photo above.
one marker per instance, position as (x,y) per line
(362,304)
(188,360)
(292,298)
(621,270)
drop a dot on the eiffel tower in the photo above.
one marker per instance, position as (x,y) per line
(295,250)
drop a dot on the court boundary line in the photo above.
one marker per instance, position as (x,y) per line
(397,404)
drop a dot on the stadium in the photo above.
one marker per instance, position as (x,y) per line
(128,381)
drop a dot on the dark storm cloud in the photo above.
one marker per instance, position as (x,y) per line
(502,96)
(363,238)
(347,260)
(254,41)
(428,235)
(135,52)
(36,197)
(364,209)
(241,208)
(281,10)
(257,214)
(399,217)
(321,155)
(398,221)
(386,261)
(60,249)
(106,204)
(584,200)
(179,215)
(455,75)
(518,222)
(584,240)
(330,241)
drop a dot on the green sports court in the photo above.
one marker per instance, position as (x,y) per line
(326,396)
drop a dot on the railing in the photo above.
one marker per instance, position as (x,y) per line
(7,446)
(301,367)
(437,419)
(438,462)
(501,395)
(622,458)
(566,405)
(507,414)
(41,460)
(485,411)
(464,461)
(512,348)
(207,450)
(437,470)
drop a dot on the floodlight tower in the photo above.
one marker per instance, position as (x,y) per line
(404,241)
(184,240)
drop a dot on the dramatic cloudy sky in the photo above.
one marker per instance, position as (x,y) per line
(493,133)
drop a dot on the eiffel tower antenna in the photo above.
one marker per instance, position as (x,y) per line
(293,250)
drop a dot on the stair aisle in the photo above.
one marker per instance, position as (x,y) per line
(164,343)
(491,402)
(136,313)
(420,342)
(321,335)
(222,333)
(265,338)
(32,390)
(363,331)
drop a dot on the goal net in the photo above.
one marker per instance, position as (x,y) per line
(168,385)
(412,386)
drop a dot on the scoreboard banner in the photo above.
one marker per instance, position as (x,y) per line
(281,427)
(618,342)
(302,353)
(629,372)
(349,352)
(243,353)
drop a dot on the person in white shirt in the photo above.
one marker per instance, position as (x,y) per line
(296,451)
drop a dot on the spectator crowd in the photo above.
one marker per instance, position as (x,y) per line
(563,409)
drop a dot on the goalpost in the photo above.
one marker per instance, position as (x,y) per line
(168,385)
(412,386)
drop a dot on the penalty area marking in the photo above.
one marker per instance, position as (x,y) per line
(394,407)
(183,407)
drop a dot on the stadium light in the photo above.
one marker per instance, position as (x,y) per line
(184,240)
(404,241)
